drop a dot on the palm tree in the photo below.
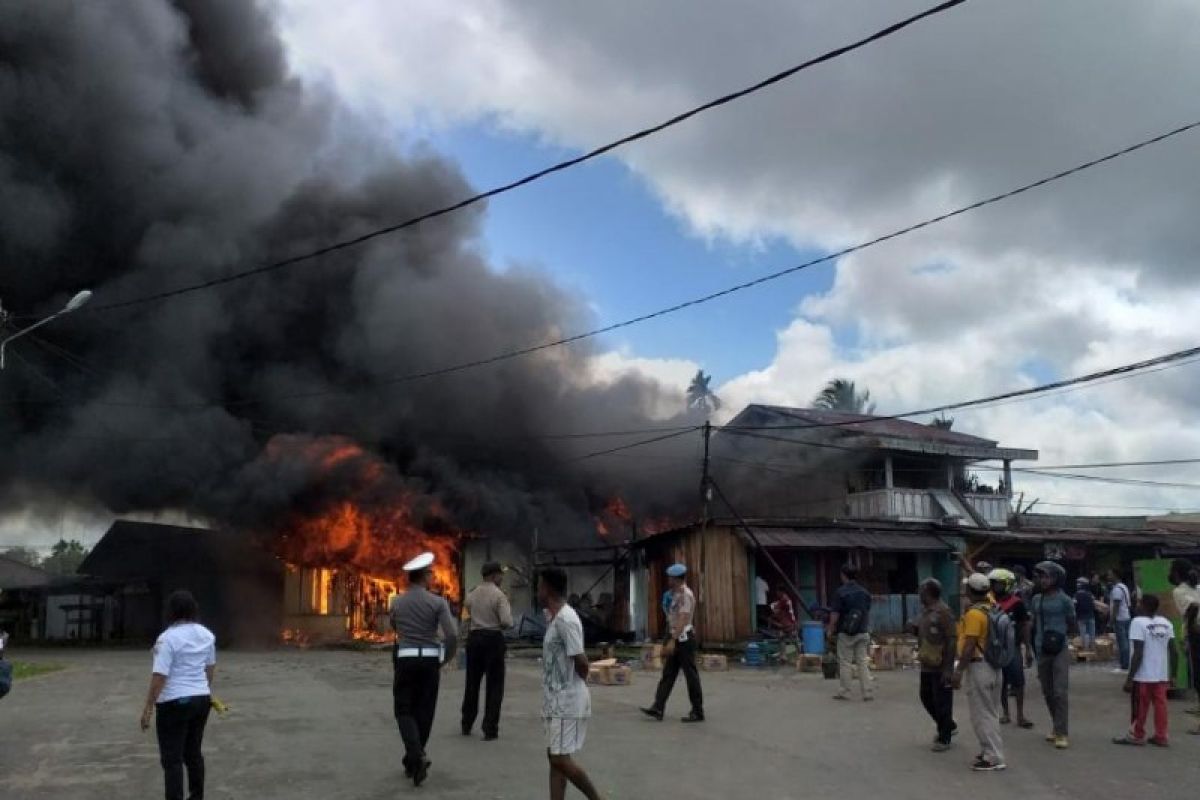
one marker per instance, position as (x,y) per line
(842,395)
(700,396)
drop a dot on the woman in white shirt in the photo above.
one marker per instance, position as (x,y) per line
(185,659)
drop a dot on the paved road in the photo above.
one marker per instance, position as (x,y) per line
(318,725)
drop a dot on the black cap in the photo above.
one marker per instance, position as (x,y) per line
(491,568)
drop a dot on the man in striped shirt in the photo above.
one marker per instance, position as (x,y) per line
(566,702)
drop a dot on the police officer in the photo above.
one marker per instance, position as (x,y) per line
(491,615)
(416,616)
(680,650)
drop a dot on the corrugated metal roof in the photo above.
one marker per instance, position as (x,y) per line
(843,539)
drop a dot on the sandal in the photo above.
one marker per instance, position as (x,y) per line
(1129,740)
(1026,724)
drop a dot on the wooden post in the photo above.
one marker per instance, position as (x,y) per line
(1008,487)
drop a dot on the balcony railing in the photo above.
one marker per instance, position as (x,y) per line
(920,505)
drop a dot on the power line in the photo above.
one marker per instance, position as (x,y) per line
(707,298)
(632,445)
(1112,464)
(1125,370)
(512,354)
(542,173)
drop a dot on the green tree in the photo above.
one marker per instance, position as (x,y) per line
(65,557)
(842,395)
(26,555)
(700,396)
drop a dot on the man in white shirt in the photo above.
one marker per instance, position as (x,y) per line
(566,701)
(1150,670)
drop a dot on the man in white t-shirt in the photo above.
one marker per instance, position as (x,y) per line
(566,701)
(1150,671)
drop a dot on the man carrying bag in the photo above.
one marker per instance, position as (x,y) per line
(1054,615)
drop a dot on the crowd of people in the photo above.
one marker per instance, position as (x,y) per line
(1007,625)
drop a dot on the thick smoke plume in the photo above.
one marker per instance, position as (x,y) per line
(152,144)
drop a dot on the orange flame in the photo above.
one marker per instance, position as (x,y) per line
(350,554)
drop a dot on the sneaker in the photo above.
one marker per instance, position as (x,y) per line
(653,713)
(983,765)
(940,746)
(1061,743)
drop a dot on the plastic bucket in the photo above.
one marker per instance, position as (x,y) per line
(813,634)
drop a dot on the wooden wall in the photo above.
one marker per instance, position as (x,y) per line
(720,577)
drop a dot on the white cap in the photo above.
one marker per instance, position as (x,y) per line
(423,561)
(979,582)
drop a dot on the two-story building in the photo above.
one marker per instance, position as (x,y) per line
(817,489)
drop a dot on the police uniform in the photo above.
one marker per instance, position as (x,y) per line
(682,657)
(491,614)
(417,617)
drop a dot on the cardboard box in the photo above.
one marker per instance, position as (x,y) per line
(713,662)
(610,676)
(884,657)
(809,662)
(652,664)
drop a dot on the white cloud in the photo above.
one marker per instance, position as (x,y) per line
(1094,271)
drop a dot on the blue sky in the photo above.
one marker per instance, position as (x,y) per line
(600,231)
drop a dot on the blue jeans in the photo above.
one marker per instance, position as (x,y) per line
(1121,626)
(1087,632)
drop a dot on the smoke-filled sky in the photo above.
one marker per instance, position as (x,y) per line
(149,144)
(152,144)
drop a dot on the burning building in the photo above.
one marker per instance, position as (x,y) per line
(280,409)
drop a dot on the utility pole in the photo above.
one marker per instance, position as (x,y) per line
(705,499)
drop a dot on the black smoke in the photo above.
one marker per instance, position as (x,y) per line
(152,144)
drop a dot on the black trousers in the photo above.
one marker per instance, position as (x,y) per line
(414,699)
(938,700)
(684,658)
(485,658)
(180,728)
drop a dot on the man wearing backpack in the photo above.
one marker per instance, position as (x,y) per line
(1053,616)
(977,640)
(850,622)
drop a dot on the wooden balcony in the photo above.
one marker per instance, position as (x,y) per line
(925,505)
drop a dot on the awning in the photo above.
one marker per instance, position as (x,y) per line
(838,539)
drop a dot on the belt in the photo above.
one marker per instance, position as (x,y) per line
(419,652)
(496,631)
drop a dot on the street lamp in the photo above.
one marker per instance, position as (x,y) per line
(74,304)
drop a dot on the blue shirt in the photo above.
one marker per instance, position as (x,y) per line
(851,597)
(1052,613)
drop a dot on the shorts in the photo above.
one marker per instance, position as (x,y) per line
(1014,673)
(565,736)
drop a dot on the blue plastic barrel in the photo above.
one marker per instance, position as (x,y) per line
(813,633)
(754,655)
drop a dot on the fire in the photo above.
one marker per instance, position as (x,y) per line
(614,513)
(344,559)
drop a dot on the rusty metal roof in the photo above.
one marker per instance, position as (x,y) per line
(838,539)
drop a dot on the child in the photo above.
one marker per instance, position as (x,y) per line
(1150,671)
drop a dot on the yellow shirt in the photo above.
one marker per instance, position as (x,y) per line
(974,624)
